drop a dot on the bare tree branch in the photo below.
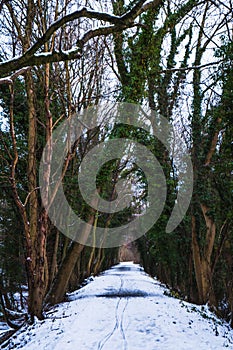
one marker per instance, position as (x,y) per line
(180,69)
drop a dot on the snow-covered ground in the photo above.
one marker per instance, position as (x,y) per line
(124,309)
(3,328)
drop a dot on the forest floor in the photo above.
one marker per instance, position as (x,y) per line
(124,309)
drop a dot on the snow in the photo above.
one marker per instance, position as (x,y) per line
(124,308)
(3,327)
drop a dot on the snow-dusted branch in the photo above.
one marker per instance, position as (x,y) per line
(117,23)
(10,79)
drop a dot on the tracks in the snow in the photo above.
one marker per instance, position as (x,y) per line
(119,317)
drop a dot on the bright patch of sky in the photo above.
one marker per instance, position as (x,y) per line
(3,120)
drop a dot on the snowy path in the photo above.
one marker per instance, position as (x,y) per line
(125,309)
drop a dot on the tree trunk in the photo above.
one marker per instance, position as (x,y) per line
(38,279)
(60,284)
(54,251)
(202,265)
(34,299)
(99,260)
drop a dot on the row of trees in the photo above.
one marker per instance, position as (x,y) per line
(61,57)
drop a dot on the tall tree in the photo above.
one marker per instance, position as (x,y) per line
(39,38)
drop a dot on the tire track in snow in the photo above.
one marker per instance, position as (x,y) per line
(118,324)
(121,325)
(109,335)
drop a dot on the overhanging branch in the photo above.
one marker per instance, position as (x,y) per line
(117,23)
(10,79)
